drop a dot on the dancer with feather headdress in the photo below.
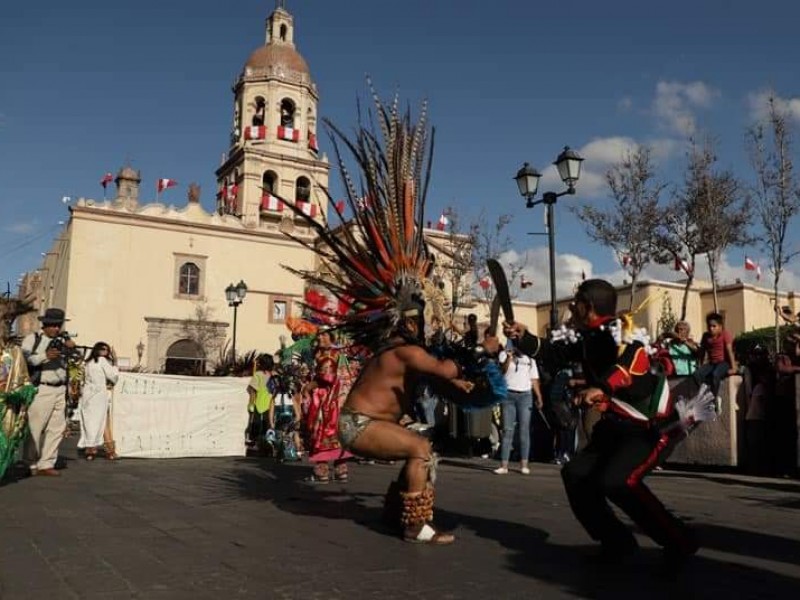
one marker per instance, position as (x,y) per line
(378,265)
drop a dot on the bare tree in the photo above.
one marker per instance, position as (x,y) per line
(707,215)
(492,241)
(467,250)
(776,193)
(627,226)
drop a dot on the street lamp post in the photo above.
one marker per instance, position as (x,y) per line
(235,294)
(568,164)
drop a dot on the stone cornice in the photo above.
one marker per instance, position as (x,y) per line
(192,219)
(243,152)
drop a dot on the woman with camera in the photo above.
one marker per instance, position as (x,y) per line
(101,375)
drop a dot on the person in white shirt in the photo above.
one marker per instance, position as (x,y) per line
(101,375)
(522,379)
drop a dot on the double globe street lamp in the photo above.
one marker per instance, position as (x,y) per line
(235,294)
(568,164)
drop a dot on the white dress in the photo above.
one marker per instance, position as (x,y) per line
(95,400)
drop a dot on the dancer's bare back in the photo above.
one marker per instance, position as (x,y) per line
(385,388)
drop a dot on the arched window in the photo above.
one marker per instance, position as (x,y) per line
(189,279)
(269,182)
(284,30)
(302,189)
(260,112)
(287,113)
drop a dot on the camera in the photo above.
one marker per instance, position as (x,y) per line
(60,343)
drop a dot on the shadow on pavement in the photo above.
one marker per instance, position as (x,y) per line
(299,497)
(530,553)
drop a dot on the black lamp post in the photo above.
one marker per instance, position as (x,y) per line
(568,164)
(235,294)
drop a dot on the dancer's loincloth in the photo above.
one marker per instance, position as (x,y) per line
(351,425)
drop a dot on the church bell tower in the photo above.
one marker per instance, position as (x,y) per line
(273,143)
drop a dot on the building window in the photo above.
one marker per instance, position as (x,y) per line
(189,283)
(287,113)
(302,189)
(189,279)
(259,112)
(268,182)
(278,310)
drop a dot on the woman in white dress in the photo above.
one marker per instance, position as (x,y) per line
(101,375)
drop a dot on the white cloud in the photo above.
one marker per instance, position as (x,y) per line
(570,269)
(600,154)
(625,104)
(535,263)
(675,103)
(20,228)
(759,105)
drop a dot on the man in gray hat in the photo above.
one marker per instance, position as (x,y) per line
(46,416)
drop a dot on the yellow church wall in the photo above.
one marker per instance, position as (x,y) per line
(124,270)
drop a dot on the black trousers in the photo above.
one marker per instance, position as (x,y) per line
(612,468)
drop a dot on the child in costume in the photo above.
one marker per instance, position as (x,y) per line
(637,426)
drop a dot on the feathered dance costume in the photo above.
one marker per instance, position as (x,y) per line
(377,265)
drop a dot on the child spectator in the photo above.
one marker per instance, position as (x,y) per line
(682,349)
(716,353)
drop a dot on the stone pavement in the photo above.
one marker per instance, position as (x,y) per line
(251,528)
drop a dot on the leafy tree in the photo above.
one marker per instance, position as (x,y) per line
(627,226)
(776,193)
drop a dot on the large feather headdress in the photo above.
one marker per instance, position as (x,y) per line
(377,263)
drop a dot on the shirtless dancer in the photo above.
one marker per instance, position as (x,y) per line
(368,423)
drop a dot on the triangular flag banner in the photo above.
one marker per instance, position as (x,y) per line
(485,283)
(107,178)
(339,206)
(443,222)
(524,283)
(749,264)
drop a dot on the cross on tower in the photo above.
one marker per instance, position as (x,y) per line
(280,3)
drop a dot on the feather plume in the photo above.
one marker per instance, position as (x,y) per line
(375,264)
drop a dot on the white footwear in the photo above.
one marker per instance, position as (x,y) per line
(525,471)
(501,471)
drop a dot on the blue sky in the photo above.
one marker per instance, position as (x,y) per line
(89,85)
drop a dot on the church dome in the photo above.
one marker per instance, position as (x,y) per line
(273,56)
